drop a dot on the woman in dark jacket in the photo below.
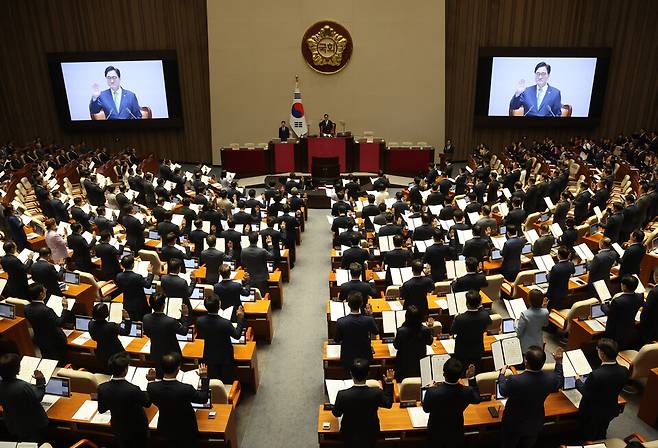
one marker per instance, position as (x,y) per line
(411,341)
(106,334)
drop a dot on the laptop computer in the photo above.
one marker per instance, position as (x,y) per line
(569,383)
(596,310)
(136,329)
(72,278)
(508,326)
(502,230)
(526,249)
(197,293)
(7,311)
(82,323)
(150,290)
(189,337)
(153,235)
(496,255)
(270,266)
(58,386)
(580,269)
(543,217)
(242,340)
(191,263)
(541,279)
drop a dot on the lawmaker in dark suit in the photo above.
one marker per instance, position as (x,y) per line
(599,404)
(131,285)
(327,127)
(355,283)
(558,280)
(284,132)
(436,256)
(216,333)
(468,329)
(354,254)
(177,420)
(229,291)
(411,342)
(275,237)
(48,335)
(197,237)
(254,260)
(126,403)
(45,273)
(16,271)
(81,257)
(516,216)
(414,291)
(621,312)
(162,330)
(541,99)
(446,403)
(116,102)
(511,253)
(523,418)
(358,406)
(353,332)
(600,266)
(632,259)
(95,194)
(109,256)
(173,285)
(561,210)
(106,334)
(212,258)
(649,317)
(477,247)
(23,415)
(614,223)
(581,203)
(473,280)
(134,230)
(543,244)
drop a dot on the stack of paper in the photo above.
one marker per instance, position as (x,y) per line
(595,325)
(173,307)
(86,411)
(419,418)
(55,303)
(448,345)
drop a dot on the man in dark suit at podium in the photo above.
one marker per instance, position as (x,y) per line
(327,127)
(284,132)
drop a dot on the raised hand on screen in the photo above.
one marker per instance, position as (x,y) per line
(95,90)
(520,87)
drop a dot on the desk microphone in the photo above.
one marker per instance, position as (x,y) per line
(528,111)
(131,114)
(550,110)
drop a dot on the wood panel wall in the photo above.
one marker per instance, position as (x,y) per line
(628,27)
(32,28)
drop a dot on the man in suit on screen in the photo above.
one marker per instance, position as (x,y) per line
(540,100)
(117,102)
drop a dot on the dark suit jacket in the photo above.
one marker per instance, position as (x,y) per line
(531,199)
(358,405)
(446,404)
(512,257)
(48,335)
(229,293)
(126,402)
(81,252)
(104,224)
(276,242)
(128,105)
(649,318)
(476,247)
(621,313)
(560,212)
(109,256)
(516,217)
(631,221)
(468,329)
(599,268)
(414,292)
(95,194)
(16,276)
(216,333)
(436,256)
(175,286)
(254,260)
(197,237)
(366,289)
(81,217)
(132,285)
(167,227)
(526,393)
(631,260)
(106,336)
(543,245)
(134,232)
(23,414)
(472,280)
(551,105)
(613,226)
(558,285)
(600,392)
(45,273)
(354,254)
(284,133)
(353,333)
(162,331)
(411,346)
(177,420)
(213,259)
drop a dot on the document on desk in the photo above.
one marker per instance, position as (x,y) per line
(338,310)
(342,276)
(574,396)
(82,339)
(173,306)
(335,386)
(379,275)
(394,305)
(86,411)
(429,350)
(125,340)
(506,352)
(153,424)
(442,303)
(556,230)
(431,369)
(55,304)
(515,307)
(146,348)
(499,241)
(392,320)
(602,290)
(595,325)
(419,418)
(456,303)
(392,350)
(333,351)
(102,419)
(575,362)
(448,345)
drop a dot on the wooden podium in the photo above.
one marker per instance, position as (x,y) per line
(320,147)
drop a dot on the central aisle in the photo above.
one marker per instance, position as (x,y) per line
(284,411)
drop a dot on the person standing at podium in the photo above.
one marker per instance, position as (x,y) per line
(326,127)
(284,132)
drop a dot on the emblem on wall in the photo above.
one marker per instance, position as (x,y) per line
(327,47)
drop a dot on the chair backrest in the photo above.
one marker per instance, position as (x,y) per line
(496,323)
(146,112)
(526,277)
(373,383)
(531,219)
(487,382)
(410,389)
(492,290)
(87,278)
(392,291)
(26,183)
(646,359)
(524,173)
(152,257)
(579,310)
(81,381)
(218,394)
(566,110)
(573,169)
(582,230)
(19,305)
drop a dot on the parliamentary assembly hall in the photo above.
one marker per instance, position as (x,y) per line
(305,224)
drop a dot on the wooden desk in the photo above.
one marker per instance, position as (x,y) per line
(648,410)
(592,241)
(246,361)
(576,291)
(84,297)
(648,266)
(275,283)
(581,336)
(16,331)
(220,431)
(395,424)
